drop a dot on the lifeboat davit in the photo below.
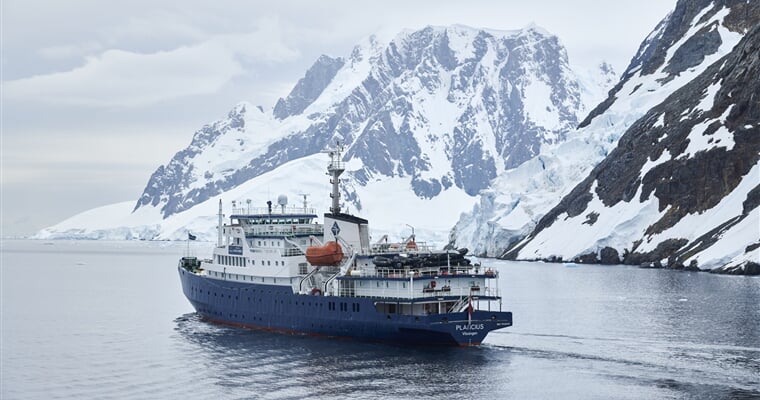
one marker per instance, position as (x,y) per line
(329,254)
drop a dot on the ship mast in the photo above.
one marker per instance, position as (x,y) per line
(219,225)
(335,168)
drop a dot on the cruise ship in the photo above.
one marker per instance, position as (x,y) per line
(279,269)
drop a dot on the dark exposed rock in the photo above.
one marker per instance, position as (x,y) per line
(609,256)
(589,258)
(693,51)
(684,184)
(751,268)
(309,87)
(651,54)
(591,219)
(663,251)
(692,266)
(752,200)
(748,268)
(426,188)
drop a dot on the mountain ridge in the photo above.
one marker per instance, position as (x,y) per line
(519,204)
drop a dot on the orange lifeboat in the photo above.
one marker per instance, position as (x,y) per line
(329,254)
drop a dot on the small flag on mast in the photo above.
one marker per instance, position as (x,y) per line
(190,236)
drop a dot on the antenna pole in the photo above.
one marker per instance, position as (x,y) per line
(219,226)
(335,168)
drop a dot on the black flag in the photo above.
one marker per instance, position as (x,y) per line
(190,236)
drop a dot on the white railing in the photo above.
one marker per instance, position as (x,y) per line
(276,210)
(396,248)
(427,272)
(284,230)
(417,293)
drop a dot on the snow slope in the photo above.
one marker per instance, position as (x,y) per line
(429,118)
(663,171)
(519,198)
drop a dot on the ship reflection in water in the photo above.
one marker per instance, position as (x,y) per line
(243,361)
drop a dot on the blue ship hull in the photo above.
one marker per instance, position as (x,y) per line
(277,308)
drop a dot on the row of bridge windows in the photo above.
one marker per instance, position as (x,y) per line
(236,261)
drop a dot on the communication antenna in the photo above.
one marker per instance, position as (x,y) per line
(334,169)
(305,202)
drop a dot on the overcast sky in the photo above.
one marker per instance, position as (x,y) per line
(97,94)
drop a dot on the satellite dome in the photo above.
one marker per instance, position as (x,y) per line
(282,200)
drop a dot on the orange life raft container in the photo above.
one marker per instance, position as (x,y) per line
(329,254)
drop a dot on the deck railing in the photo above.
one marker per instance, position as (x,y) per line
(276,211)
(420,294)
(426,272)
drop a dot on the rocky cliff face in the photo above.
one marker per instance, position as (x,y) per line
(309,87)
(682,41)
(444,107)
(683,179)
(522,201)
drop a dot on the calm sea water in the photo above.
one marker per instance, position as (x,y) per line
(106,320)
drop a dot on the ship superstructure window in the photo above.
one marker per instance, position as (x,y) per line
(231,260)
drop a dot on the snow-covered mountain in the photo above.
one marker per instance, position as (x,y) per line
(663,171)
(429,118)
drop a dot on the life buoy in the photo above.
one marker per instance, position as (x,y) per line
(432,284)
(316,292)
